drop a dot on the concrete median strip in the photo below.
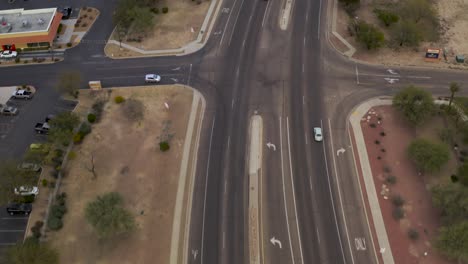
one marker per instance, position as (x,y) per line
(255,161)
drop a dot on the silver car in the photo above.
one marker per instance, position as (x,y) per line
(318,134)
(9,110)
(152,78)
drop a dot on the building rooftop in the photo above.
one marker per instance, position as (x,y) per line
(14,21)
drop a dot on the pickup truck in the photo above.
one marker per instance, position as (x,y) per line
(22,94)
(8,110)
(42,128)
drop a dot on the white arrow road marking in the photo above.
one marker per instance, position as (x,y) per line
(360,243)
(176,69)
(341,150)
(217,33)
(275,241)
(194,254)
(391,80)
(174,79)
(382,250)
(271,145)
(392,71)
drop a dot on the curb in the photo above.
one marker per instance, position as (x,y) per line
(354,119)
(181,191)
(191,47)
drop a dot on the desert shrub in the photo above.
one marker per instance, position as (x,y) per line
(84,25)
(383,150)
(369,35)
(98,108)
(387,17)
(60,199)
(72,155)
(383,134)
(155,10)
(387,169)
(398,213)
(428,156)
(454,178)
(36,229)
(133,110)
(17,60)
(54,223)
(44,182)
(119,99)
(85,129)
(350,6)
(413,234)
(377,142)
(165,10)
(58,211)
(390,179)
(91,118)
(164,146)
(78,138)
(397,200)
(379,158)
(373,125)
(69,44)
(59,29)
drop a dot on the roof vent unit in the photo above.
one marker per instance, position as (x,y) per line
(40,21)
(25,23)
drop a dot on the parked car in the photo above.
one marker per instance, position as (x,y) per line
(8,54)
(28,166)
(42,128)
(66,11)
(8,110)
(318,134)
(19,208)
(152,78)
(22,94)
(27,190)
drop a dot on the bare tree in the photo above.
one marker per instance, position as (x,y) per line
(92,168)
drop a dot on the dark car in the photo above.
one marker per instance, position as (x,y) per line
(19,208)
(66,12)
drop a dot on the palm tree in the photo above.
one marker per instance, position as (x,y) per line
(454,87)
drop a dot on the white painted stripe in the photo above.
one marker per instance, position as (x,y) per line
(227,23)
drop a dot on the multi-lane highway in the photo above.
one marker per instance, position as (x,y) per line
(310,203)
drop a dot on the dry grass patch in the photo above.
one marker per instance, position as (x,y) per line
(127,160)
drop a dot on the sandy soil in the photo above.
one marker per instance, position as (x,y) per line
(176,28)
(128,161)
(420,214)
(454,22)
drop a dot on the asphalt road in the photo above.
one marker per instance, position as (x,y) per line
(310,199)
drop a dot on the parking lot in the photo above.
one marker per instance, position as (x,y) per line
(16,134)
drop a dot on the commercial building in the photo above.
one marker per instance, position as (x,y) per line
(28,29)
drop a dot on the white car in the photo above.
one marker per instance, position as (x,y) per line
(318,134)
(25,191)
(152,78)
(8,54)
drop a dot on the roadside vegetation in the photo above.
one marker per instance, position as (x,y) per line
(402,23)
(450,195)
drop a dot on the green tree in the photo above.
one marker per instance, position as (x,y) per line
(454,88)
(417,10)
(428,156)
(415,103)
(407,33)
(69,83)
(386,16)
(453,241)
(32,252)
(369,35)
(61,127)
(108,216)
(463,173)
(10,178)
(452,200)
(142,19)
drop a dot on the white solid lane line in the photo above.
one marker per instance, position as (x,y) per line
(227,23)
(235,22)
(294,193)
(266,13)
(284,193)
(206,191)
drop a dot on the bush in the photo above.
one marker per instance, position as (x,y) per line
(398,213)
(71,155)
(454,178)
(165,10)
(397,200)
(383,134)
(377,142)
(77,138)
(85,129)
(390,179)
(36,229)
(428,156)
(54,223)
(91,118)
(350,6)
(413,234)
(98,108)
(17,60)
(387,169)
(58,211)
(60,199)
(69,44)
(387,17)
(28,199)
(155,10)
(44,183)
(164,146)
(119,99)
(383,150)
(369,35)
(373,125)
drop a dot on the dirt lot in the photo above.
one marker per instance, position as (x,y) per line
(454,20)
(412,186)
(128,160)
(175,29)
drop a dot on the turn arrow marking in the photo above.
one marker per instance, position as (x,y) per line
(271,145)
(275,241)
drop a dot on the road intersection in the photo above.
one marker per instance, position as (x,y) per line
(311,206)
